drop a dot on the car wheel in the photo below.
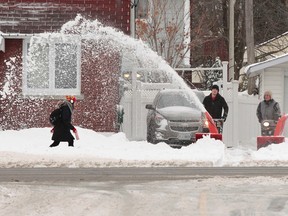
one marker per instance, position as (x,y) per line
(150,135)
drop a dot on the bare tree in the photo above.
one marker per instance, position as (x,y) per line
(166,28)
(269,18)
(207,32)
(167,33)
(163,30)
(271,26)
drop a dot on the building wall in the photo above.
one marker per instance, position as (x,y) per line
(15,110)
(37,16)
(96,109)
(273,80)
(215,48)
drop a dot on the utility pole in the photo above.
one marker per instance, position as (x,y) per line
(133,16)
(249,31)
(250,42)
(231,39)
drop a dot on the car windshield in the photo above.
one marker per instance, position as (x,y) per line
(168,100)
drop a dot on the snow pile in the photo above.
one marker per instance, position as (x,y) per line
(30,148)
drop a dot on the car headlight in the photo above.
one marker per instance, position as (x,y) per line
(205,122)
(126,75)
(160,120)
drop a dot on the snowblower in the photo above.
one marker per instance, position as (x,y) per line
(271,132)
(213,130)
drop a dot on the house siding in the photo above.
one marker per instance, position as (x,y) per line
(37,16)
(274,81)
(100,91)
(96,108)
(272,76)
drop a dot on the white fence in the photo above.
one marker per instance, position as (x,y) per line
(241,125)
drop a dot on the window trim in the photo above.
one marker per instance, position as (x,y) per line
(73,39)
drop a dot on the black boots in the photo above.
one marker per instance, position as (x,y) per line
(56,143)
(71,144)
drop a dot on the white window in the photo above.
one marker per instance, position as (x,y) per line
(52,65)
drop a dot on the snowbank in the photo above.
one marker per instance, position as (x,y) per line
(30,148)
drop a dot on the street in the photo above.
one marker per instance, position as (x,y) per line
(144,191)
(134,173)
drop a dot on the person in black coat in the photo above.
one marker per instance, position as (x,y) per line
(61,131)
(214,103)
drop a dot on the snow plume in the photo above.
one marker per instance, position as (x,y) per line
(135,53)
(10,79)
(97,39)
(9,91)
(10,97)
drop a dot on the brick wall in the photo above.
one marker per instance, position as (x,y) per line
(37,16)
(99,81)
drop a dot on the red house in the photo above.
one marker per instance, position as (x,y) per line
(28,96)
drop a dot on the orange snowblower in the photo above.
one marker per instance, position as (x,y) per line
(267,127)
(213,130)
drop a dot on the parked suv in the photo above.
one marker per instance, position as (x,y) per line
(174,117)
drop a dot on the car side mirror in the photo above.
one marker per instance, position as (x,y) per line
(150,106)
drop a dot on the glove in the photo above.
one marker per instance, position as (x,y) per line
(76,133)
(52,130)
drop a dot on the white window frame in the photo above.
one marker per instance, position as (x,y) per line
(51,91)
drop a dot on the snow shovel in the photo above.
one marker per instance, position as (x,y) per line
(277,137)
(213,131)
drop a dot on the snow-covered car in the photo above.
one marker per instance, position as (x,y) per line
(174,117)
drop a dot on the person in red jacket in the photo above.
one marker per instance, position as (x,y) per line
(215,104)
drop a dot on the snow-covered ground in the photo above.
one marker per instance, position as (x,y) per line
(30,148)
(212,196)
(216,196)
(207,197)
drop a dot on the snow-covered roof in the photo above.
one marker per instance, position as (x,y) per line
(15,35)
(272,39)
(257,68)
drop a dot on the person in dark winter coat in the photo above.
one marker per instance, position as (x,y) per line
(214,103)
(61,131)
(268,109)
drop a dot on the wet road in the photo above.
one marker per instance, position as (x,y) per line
(134,173)
(255,191)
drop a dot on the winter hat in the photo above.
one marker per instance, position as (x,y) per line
(215,87)
(71,99)
(268,93)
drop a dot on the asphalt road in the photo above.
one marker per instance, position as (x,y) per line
(134,173)
(199,191)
